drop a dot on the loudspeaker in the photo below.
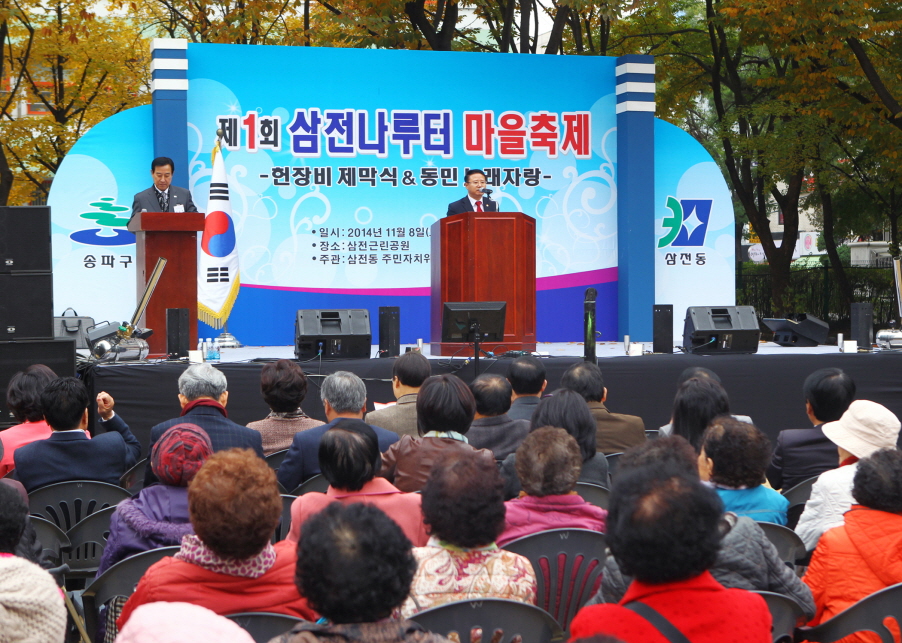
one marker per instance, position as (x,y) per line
(332,333)
(25,239)
(389,331)
(26,306)
(662,328)
(727,329)
(798,330)
(177,333)
(58,354)
(863,324)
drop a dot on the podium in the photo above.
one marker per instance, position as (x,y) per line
(486,256)
(173,236)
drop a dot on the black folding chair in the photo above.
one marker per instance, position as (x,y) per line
(534,625)
(67,503)
(797,497)
(133,479)
(785,614)
(594,494)
(316,483)
(264,626)
(88,539)
(867,615)
(274,460)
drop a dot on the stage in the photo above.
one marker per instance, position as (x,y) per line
(767,385)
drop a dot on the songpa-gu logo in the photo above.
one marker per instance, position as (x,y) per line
(689,223)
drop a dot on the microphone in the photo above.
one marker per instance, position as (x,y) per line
(486,191)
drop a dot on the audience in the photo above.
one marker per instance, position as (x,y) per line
(408,373)
(344,396)
(615,432)
(698,401)
(492,428)
(69,453)
(349,458)
(284,387)
(733,458)
(228,565)
(355,568)
(527,377)
(664,530)
(178,623)
(863,429)
(203,395)
(463,505)
(746,559)
(801,454)
(445,409)
(567,410)
(31,605)
(23,398)
(863,555)
(548,466)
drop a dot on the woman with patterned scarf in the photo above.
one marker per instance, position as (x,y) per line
(228,565)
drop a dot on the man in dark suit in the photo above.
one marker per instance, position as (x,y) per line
(344,396)
(804,453)
(527,377)
(475,201)
(69,453)
(616,432)
(493,428)
(162,196)
(203,395)
(408,374)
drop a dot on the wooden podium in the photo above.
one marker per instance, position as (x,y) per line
(486,256)
(173,236)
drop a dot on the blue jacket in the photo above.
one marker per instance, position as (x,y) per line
(71,455)
(302,460)
(760,503)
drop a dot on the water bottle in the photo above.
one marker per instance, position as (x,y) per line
(215,351)
(208,349)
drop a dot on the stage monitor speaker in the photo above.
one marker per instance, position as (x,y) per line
(332,334)
(389,331)
(711,330)
(662,328)
(26,306)
(177,336)
(798,330)
(25,239)
(58,354)
(863,324)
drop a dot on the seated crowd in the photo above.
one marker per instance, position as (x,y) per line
(424,496)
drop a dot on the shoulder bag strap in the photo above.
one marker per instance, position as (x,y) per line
(658,621)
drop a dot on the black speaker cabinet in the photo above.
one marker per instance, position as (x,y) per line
(26,306)
(177,333)
(863,324)
(662,328)
(711,330)
(58,354)
(798,330)
(389,331)
(332,333)
(25,239)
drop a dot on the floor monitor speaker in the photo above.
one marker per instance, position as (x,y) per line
(798,330)
(711,330)
(332,334)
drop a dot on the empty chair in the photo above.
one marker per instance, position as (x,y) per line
(568,565)
(88,539)
(316,483)
(264,626)
(512,617)
(785,614)
(133,479)
(867,615)
(118,580)
(67,503)
(53,539)
(274,460)
(788,544)
(594,493)
(797,497)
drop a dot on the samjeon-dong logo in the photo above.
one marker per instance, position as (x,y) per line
(688,224)
(111,218)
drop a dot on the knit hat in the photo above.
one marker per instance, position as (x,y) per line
(180,623)
(31,605)
(865,427)
(179,453)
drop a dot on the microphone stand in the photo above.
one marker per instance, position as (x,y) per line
(477,338)
(589,326)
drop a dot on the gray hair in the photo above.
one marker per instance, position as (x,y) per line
(344,391)
(202,380)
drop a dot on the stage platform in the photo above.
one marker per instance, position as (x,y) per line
(767,385)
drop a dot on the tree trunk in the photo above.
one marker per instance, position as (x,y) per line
(842,279)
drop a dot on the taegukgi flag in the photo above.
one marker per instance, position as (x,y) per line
(218,278)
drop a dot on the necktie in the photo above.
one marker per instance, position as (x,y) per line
(479,206)
(164,201)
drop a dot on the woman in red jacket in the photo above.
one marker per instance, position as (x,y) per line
(864,555)
(229,566)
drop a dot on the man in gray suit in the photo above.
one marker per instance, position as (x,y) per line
(493,428)
(163,196)
(408,374)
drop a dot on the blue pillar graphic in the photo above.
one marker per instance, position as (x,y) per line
(169,95)
(636,192)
